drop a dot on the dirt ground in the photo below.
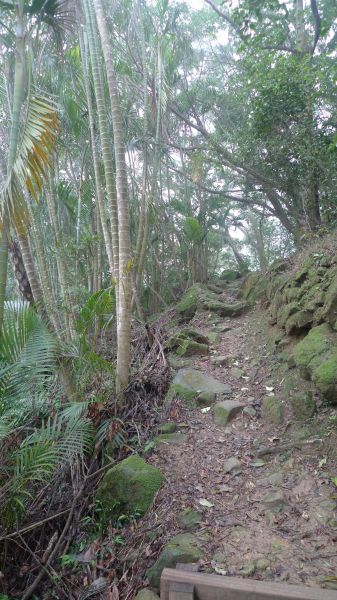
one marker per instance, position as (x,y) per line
(274,517)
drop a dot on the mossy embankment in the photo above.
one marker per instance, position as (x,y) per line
(300,297)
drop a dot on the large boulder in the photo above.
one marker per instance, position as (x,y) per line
(183,548)
(128,488)
(192,385)
(316,356)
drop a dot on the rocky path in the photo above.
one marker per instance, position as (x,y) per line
(252,497)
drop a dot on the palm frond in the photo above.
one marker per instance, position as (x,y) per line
(28,353)
(33,159)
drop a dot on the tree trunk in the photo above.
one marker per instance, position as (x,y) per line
(124,281)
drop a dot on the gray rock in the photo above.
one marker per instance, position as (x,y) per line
(275,479)
(189,518)
(274,500)
(197,381)
(326,511)
(236,373)
(146,594)
(226,411)
(249,410)
(220,360)
(232,464)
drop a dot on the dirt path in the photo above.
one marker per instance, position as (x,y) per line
(272,517)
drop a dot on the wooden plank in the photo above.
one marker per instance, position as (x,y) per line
(188,567)
(181,591)
(218,587)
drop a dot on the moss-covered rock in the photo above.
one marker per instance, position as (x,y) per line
(230,275)
(129,488)
(330,306)
(168,428)
(285,312)
(254,286)
(183,548)
(298,322)
(324,377)
(170,438)
(272,410)
(303,405)
(191,348)
(188,304)
(224,310)
(146,594)
(213,337)
(205,398)
(179,391)
(200,297)
(188,518)
(316,356)
(226,411)
(188,342)
(309,351)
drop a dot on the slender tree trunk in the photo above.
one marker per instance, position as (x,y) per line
(124,282)
(104,137)
(98,179)
(18,96)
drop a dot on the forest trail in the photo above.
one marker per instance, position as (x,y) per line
(269,516)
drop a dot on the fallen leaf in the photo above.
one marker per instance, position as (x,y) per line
(322,462)
(269,389)
(258,463)
(220,571)
(206,503)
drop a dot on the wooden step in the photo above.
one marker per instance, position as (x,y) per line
(188,585)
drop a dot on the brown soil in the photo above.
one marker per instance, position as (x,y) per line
(239,528)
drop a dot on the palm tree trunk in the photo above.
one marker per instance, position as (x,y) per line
(18,95)
(98,178)
(104,135)
(124,281)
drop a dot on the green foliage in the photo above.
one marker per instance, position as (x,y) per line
(99,305)
(193,230)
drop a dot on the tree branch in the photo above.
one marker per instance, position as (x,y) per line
(318,23)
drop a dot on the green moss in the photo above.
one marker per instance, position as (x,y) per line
(170,438)
(324,377)
(188,342)
(183,548)
(189,302)
(299,321)
(272,410)
(285,312)
(176,390)
(229,275)
(213,337)
(303,405)
(168,427)
(254,287)
(128,488)
(191,348)
(205,398)
(330,305)
(276,284)
(189,518)
(292,293)
(315,344)
(224,310)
